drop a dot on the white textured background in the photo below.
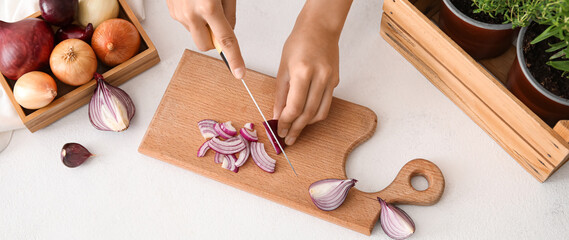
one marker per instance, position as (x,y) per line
(121,194)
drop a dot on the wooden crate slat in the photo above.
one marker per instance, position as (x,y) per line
(480,113)
(512,113)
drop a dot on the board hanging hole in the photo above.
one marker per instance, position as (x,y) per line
(419,183)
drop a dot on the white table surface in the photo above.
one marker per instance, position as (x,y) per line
(121,194)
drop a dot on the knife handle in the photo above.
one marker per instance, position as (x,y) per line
(218,48)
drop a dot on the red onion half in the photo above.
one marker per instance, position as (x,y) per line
(395,222)
(273,125)
(111,108)
(261,158)
(329,194)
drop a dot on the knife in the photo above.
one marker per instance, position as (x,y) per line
(220,51)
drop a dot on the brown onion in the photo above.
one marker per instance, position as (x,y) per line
(73,62)
(35,90)
(115,41)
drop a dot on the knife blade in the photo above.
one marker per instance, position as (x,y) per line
(220,51)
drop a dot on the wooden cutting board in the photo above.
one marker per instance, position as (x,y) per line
(203,88)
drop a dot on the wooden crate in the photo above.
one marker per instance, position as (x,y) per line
(70,98)
(476,87)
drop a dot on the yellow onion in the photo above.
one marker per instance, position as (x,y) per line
(115,41)
(73,62)
(35,90)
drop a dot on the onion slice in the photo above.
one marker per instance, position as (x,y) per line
(230,146)
(249,126)
(220,132)
(229,163)
(203,149)
(206,128)
(395,222)
(273,124)
(261,158)
(244,154)
(329,194)
(249,135)
(228,128)
(218,157)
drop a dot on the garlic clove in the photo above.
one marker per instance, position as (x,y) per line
(395,222)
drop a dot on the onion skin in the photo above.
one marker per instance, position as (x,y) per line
(273,124)
(73,62)
(35,90)
(115,41)
(59,12)
(25,46)
(75,32)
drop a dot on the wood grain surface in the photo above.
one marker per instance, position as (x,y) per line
(202,88)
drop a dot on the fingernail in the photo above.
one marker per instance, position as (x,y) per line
(282,133)
(290,140)
(238,73)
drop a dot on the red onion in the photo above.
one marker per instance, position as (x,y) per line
(329,194)
(250,136)
(74,154)
(75,32)
(249,126)
(203,149)
(25,46)
(228,128)
(261,158)
(244,154)
(229,146)
(58,12)
(218,157)
(110,109)
(273,124)
(229,163)
(395,222)
(206,128)
(220,132)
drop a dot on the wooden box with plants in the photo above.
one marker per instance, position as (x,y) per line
(504,63)
(48,60)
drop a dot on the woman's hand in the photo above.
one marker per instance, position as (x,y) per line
(218,15)
(309,69)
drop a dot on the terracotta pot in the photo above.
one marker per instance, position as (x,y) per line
(548,106)
(480,40)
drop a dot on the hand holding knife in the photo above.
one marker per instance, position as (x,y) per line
(220,51)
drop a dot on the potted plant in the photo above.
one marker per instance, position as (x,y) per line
(539,76)
(480,34)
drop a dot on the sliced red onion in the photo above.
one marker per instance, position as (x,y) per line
(229,163)
(273,124)
(249,126)
(261,158)
(230,146)
(227,128)
(203,149)
(206,128)
(329,194)
(218,157)
(249,135)
(220,132)
(244,154)
(395,222)
(110,109)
